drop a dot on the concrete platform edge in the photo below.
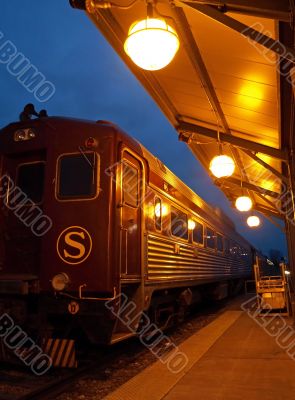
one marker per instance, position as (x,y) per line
(157,380)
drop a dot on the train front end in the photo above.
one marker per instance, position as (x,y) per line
(56,235)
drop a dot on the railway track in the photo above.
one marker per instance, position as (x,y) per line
(25,386)
(121,362)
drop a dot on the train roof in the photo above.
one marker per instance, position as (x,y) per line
(213,214)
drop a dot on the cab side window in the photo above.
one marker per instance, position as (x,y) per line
(130,185)
(219,243)
(198,233)
(179,223)
(210,238)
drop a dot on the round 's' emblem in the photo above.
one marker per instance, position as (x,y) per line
(74,245)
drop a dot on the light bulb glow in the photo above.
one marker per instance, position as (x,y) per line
(244,203)
(222,166)
(191,224)
(151,44)
(158,210)
(253,221)
(161,210)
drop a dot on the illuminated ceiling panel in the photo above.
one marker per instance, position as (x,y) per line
(218,80)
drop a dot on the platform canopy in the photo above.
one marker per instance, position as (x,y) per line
(228,84)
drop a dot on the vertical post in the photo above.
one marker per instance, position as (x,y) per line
(290,230)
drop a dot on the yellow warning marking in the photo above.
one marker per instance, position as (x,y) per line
(53,351)
(68,353)
(60,351)
(72,362)
(157,380)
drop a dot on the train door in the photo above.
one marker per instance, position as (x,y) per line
(131,224)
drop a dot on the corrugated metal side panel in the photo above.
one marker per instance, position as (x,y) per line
(190,262)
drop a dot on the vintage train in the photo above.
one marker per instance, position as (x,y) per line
(87,213)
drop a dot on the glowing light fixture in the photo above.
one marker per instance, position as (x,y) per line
(191,224)
(161,209)
(151,43)
(287,272)
(158,210)
(253,221)
(222,166)
(244,203)
(164,210)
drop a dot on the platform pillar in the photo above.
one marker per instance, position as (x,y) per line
(290,227)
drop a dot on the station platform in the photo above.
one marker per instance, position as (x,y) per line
(232,358)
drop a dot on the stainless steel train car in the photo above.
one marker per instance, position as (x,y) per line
(88,215)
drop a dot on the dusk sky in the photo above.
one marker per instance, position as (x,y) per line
(92,82)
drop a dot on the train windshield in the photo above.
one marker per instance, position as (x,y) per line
(77,176)
(30,179)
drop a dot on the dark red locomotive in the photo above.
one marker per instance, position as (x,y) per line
(88,213)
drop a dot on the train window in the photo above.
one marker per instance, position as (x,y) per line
(233,249)
(130,185)
(198,233)
(77,176)
(33,188)
(243,252)
(210,238)
(219,243)
(179,223)
(158,213)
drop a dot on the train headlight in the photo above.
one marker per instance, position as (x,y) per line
(24,134)
(60,282)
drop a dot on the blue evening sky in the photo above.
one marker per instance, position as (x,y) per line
(92,82)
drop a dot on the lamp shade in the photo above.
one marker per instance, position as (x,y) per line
(222,166)
(151,43)
(244,203)
(253,221)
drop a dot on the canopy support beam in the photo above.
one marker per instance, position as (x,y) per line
(247,185)
(270,212)
(275,223)
(191,129)
(282,177)
(274,45)
(273,9)
(197,61)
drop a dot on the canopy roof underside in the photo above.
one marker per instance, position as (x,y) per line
(219,81)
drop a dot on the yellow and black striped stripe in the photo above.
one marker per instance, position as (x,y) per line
(61,351)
